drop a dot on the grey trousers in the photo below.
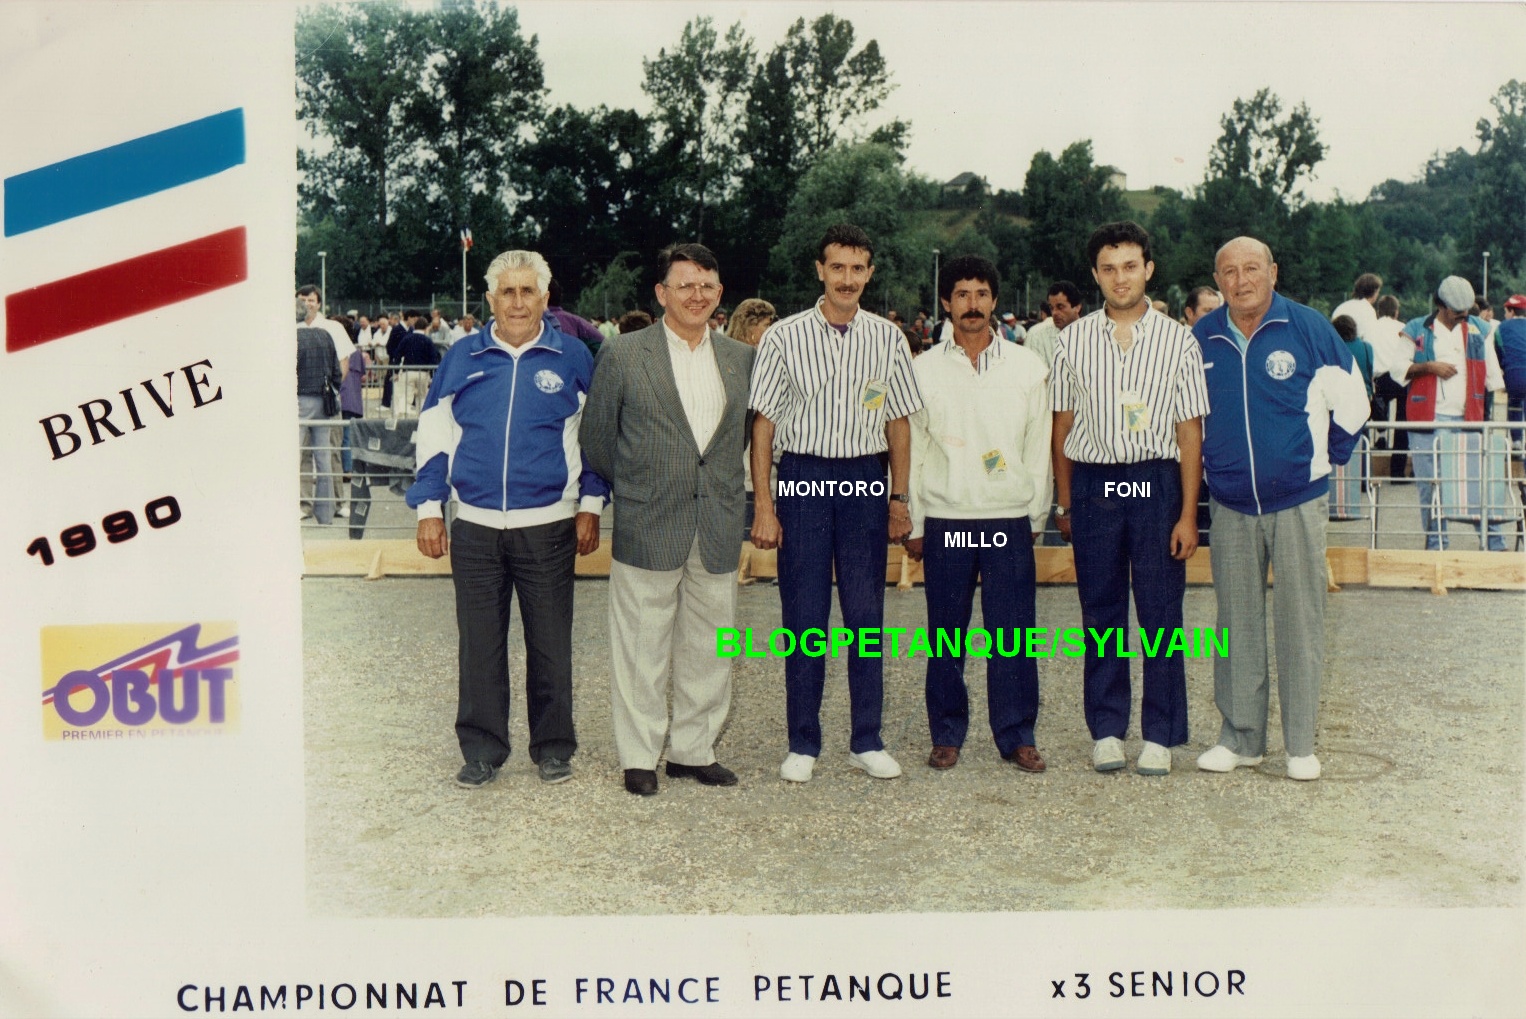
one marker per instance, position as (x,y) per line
(662,627)
(317,444)
(1293,542)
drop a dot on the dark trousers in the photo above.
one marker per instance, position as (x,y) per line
(1006,577)
(1116,538)
(1515,396)
(1386,390)
(820,533)
(488,565)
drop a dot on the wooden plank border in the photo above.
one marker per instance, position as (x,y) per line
(1436,571)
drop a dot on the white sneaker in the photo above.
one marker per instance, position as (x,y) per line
(1107,754)
(341,512)
(1222,759)
(1154,759)
(877,763)
(1304,769)
(797,768)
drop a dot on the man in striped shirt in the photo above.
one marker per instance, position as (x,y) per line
(1129,396)
(835,385)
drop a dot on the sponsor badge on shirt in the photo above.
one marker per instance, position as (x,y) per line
(1136,413)
(874,395)
(994,462)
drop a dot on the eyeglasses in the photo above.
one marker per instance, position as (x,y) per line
(690,289)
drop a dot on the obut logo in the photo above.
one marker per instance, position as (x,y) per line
(1280,365)
(120,680)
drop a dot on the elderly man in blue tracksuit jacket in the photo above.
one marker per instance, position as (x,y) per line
(499,430)
(1286,402)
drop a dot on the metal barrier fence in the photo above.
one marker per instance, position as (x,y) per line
(1460,486)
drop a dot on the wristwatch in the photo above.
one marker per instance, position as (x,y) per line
(900,497)
(1061,511)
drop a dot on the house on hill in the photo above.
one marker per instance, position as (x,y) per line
(967,184)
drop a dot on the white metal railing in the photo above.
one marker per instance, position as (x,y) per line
(1478,476)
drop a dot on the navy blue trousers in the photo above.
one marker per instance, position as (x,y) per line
(1117,538)
(1006,577)
(822,532)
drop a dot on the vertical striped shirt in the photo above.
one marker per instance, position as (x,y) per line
(830,394)
(698,379)
(1127,405)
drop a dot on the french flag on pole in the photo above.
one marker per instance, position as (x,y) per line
(466,238)
(55,196)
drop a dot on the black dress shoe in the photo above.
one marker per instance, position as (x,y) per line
(475,774)
(640,782)
(709,774)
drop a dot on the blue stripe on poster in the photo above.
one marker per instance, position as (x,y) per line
(120,173)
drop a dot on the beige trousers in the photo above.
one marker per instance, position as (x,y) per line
(662,627)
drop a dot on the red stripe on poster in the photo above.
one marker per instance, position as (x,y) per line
(123,289)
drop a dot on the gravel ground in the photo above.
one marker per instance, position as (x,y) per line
(1420,805)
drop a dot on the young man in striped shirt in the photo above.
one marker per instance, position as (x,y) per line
(1129,397)
(836,386)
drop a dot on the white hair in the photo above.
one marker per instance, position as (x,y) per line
(519,260)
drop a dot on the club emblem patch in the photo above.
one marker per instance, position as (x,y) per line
(548,381)
(1281,365)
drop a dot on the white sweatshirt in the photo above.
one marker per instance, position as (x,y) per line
(980,443)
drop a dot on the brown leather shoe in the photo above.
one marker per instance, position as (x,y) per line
(1027,758)
(943,757)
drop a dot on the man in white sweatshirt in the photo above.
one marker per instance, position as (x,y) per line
(979,491)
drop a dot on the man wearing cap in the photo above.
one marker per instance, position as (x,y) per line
(1510,339)
(1450,373)
(1285,402)
(1011,329)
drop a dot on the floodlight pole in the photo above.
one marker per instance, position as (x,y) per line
(935,285)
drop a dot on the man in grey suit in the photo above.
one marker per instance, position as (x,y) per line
(666,425)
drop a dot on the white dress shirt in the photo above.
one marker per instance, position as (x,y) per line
(700,389)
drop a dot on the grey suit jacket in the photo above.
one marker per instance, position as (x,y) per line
(666,489)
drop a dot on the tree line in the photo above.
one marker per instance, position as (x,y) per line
(424,122)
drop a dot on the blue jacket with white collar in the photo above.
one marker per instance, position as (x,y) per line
(1280,412)
(502,431)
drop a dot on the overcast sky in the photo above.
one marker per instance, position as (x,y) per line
(985,85)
